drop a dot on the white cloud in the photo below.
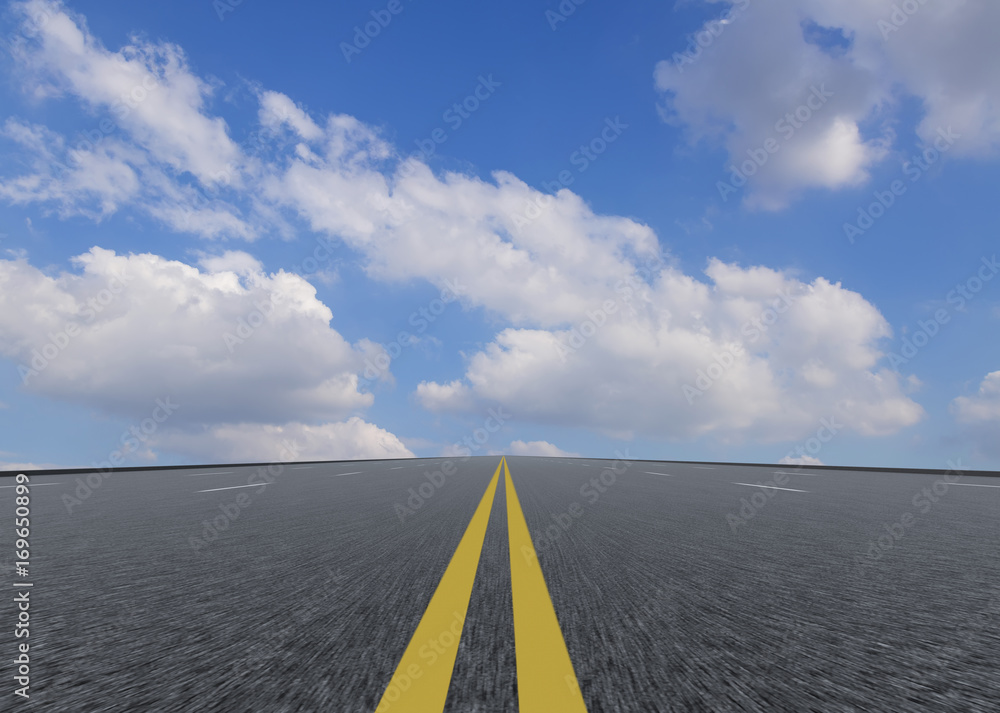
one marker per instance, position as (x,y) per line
(454,396)
(541,275)
(537,448)
(228,346)
(6,465)
(149,135)
(353,439)
(173,330)
(984,406)
(147,89)
(456,226)
(694,359)
(235,261)
(547,274)
(801,460)
(979,416)
(97,181)
(277,109)
(349,183)
(766,62)
(454,450)
(92,183)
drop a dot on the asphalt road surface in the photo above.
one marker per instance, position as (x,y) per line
(661,587)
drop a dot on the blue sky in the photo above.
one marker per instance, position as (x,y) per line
(611,283)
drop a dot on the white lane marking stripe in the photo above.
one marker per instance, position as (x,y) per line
(773,487)
(649,472)
(792,472)
(30,485)
(357,472)
(971,485)
(397,467)
(233,487)
(214,472)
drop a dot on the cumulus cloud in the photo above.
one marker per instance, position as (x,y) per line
(541,265)
(235,261)
(228,345)
(454,396)
(145,321)
(538,448)
(984,406)
(757,354)
(979,415)
(461,227)
(756,76)
(353,439)
(800,460)
(548,270)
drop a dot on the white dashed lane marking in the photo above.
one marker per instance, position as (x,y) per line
(772,487)
(233,487)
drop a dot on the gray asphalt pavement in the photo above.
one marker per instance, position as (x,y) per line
(677,587)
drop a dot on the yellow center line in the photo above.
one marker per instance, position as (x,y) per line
(546,682)
(420,683)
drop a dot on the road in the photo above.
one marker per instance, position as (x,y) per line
(671,587)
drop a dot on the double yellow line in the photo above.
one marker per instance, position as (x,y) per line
(546,682)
